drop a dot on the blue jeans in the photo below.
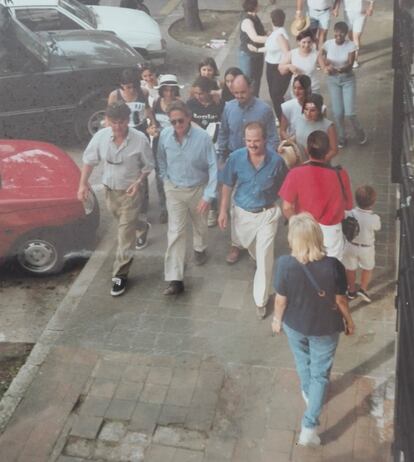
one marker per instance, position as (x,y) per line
(252,66)
(314,356)
(342,90)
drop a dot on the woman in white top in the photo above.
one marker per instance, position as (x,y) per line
(292,109)
(336,59)
(149,82)
(312,120)
(302,60)
(356,12)
(276,47)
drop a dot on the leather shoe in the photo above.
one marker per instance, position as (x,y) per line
(233,255)
(174,288)
(200,257)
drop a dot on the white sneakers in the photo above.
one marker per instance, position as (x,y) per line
(309,437)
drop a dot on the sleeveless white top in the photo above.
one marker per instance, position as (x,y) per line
(274,53)
(307,64)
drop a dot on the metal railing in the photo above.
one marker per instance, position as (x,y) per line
(403,173)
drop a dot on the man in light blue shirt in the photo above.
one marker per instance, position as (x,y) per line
(257,173)
(237,113)
(188,166)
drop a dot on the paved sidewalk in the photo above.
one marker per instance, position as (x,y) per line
(198,378)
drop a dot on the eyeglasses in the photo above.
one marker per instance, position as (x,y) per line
(177,121)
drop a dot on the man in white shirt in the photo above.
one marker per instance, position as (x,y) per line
(356,12)
(320,14)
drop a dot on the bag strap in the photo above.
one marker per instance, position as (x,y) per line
(312,280)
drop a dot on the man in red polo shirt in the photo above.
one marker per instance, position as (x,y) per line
(315,187)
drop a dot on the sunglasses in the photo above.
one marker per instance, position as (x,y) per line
(177,121)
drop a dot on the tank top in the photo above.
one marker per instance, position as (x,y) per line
(137,107)
(244,38)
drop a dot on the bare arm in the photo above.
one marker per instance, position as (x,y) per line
(333,143)
(112,97)
(288,209)
(299,8)
(83,189)
(280,306)
(224,206)
(283,127)
(342,303)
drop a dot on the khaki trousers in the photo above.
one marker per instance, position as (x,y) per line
(256,232)
(125,210)
(181,204)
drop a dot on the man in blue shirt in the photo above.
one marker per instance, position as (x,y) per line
(237,113)
(257,173)
(188,166)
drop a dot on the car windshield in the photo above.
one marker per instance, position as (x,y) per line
(81,11)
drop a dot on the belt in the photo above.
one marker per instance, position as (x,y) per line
(325,9)
(361,245)
(262,209)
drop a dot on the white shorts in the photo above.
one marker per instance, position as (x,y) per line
(358,257)
(355,21)
(320,19)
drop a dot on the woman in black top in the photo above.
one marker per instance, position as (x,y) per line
(252,32)
(311,301)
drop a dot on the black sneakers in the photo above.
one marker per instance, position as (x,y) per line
(142,241)
(200,257)
(351,295)
(174,288)
(364,295)
(118,286)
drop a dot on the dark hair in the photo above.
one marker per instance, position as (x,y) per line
(118,111)
(305,33)
(204,83)
(246,78)
(278,17)
(260,125)
(304,80)
(176,90)
(317,100)
(179,105)
(250,5)
(226,94)
(318,145)
(129,76)
(341,26)
(209,62)
(365,196)
(147,67)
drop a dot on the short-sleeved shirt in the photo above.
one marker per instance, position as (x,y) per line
(315,188)
(338,54)
(122,165)
(255,187)
(304,127)
(369,222)
(307,312)
(292,110)
(206,117)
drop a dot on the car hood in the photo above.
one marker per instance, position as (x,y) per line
(135,27)
(92,48)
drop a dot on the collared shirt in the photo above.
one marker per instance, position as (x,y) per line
(255,187)
(122,164)
(190,163)
(235,117)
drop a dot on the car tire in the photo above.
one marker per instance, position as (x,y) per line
(40,253)
(89,119)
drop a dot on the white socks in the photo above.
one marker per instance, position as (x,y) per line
(309,437)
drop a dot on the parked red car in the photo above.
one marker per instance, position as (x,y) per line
(42,222)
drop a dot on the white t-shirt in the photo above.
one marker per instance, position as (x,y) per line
(338,54)
(319,4)
(307,65)
(369,222)
(292,110)
(274,53)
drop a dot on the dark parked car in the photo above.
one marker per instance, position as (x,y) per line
(62,77)
(42,222)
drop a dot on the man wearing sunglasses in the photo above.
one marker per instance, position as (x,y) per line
(188,167)
(127,160)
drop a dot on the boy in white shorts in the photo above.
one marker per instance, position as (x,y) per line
(361,251)
(356,12)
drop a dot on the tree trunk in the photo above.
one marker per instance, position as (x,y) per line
(191,15)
